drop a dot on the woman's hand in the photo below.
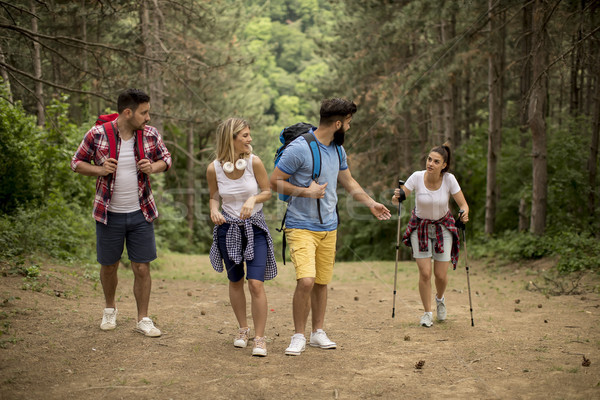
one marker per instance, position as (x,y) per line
(248,207)
(216,217)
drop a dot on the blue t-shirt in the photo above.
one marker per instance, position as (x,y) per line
(297,161)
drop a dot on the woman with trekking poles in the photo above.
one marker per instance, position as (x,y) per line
(238,181)
(431,230)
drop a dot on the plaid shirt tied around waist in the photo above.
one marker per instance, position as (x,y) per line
(422,227)
(234,243)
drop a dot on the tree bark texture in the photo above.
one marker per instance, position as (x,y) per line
(593,160)
(495,83)
(151,26)
(537,122)
(525,86)
(191,179)
(37,70)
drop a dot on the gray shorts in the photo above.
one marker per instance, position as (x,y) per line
(443,256)
(127,228)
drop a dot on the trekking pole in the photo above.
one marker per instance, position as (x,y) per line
(400,200)
(461,225)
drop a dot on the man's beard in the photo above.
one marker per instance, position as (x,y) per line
(338,136)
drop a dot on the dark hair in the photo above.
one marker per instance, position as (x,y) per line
(444,151)
(131,98)
(335,109)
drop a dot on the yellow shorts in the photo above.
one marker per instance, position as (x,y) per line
(313,253)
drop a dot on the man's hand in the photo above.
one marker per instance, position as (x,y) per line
(315,191)
(380,212)
(109,166)
(145,166)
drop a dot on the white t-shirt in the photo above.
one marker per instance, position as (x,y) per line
(125,197)
(432,204)
(235,192)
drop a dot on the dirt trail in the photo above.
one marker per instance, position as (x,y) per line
(533,349)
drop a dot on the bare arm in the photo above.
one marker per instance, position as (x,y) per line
(357,192)
(260,173)
(87,169)
(214,202)
(280,184)
(459,198)
(149,168)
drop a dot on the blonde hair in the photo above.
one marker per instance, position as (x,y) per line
(227,132)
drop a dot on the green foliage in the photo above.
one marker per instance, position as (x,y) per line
(575,252)
(19,167)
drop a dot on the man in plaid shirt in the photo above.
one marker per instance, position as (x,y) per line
(124,208)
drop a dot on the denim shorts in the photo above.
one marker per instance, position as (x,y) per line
(256,267)
(443,256)
(131,229)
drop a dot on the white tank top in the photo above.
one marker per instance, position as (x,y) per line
(125,198)
(235,192)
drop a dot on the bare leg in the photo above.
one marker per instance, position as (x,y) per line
(142,284)
(237,297)
(109,279)
(424,265)
(440,269)
(318,305)
(259,306)
(301,303)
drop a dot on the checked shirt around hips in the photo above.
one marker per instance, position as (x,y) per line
(234,243)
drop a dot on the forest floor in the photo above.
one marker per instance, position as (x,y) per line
(523,345)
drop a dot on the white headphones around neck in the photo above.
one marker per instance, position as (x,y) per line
(240,164)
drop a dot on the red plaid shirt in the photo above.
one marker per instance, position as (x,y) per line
(94,147)
(422,227)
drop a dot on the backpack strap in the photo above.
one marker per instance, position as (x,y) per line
(284,241)
(315,153)
(111,135)
(140,143)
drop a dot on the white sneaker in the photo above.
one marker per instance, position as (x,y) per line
(297,345)
(109,319)
(146,326)
(241,339)
(441,309)
(427,319)
(320,339)
(260,347)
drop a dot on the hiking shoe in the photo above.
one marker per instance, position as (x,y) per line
(260,347)
(320,339)
(109,319)
(241,339)
(427,319)
(297,345)
(441,309)
(146,326)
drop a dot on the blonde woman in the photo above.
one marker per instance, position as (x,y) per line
(238,182)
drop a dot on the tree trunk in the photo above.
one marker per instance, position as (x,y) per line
(593,160)
(4,74)
(37,70)
(191,179)
(525,85)
(537,122)
(151,26)
(467,109)
(406,165)
(495,73)
(447,32)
